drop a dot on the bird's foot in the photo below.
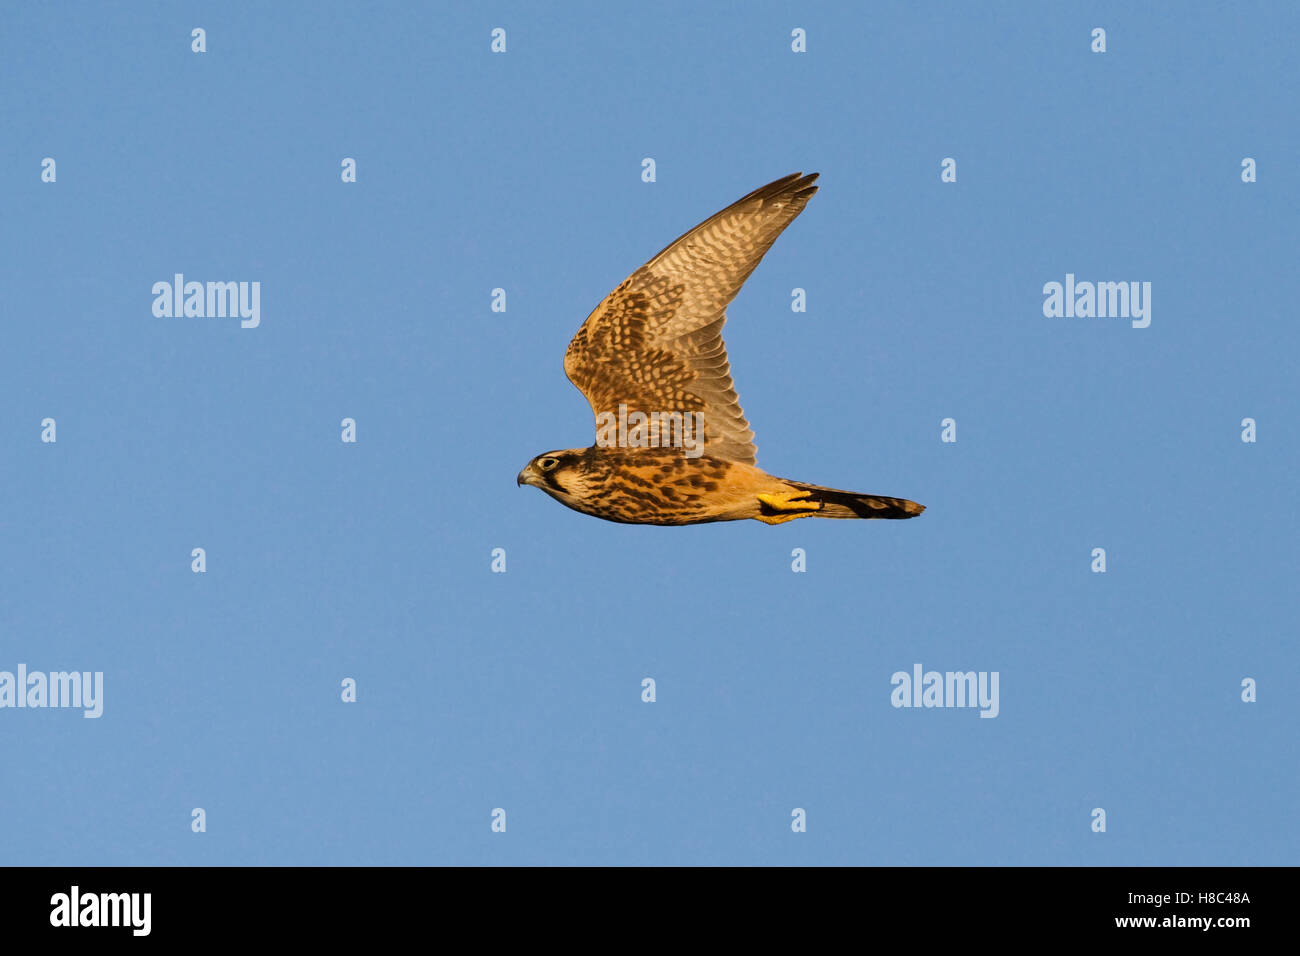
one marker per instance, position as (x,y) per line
(780,519)
(788,505)
(790,501)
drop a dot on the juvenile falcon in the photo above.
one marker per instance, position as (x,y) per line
(672,444)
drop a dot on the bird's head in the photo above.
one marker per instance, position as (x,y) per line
(561,474)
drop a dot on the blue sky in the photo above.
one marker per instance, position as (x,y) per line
(522,690)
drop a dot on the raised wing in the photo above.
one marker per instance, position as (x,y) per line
(655,343)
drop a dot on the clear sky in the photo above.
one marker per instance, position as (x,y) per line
(372,560)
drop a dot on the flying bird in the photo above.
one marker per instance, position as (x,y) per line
(672,443)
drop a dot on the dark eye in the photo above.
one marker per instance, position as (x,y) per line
(546,464)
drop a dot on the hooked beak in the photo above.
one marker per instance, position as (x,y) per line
(523,478)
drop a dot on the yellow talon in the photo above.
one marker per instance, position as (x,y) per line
(790,501)
(778,519)
(796,503)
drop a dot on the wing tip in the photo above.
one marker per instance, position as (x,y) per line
(807,187)
(793,187)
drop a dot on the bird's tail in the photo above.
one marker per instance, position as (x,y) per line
(848,504)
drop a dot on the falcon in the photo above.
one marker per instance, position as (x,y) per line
(672,443)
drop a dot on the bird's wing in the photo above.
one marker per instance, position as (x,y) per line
(655,343)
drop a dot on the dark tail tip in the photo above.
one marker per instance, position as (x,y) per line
(848,504)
